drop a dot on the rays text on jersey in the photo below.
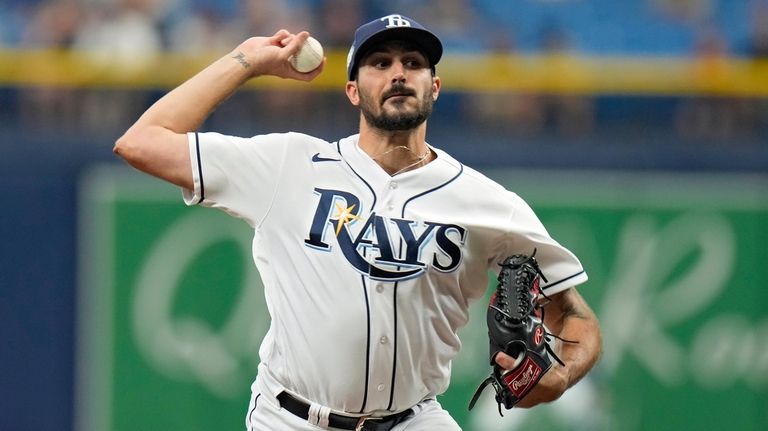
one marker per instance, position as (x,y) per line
(384,248)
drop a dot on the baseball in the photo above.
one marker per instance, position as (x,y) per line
(309,56)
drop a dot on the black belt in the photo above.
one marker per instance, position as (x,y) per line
(385,423)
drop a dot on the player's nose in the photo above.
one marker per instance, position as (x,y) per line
(398,73)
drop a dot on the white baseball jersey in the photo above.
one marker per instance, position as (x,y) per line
(367,277)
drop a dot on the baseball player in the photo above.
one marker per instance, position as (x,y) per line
(371,248)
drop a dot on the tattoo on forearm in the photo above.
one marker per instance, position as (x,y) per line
(240,57)
(573,311)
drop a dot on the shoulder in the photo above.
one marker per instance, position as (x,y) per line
(482,181)
(273,143)
(470,177)
(278,137)
(304,138)
(293,138)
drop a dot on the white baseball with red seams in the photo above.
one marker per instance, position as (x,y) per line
(309,57)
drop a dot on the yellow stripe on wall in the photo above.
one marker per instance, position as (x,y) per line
(459,72)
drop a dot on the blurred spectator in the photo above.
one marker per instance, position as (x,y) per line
(714,113)
(199,29)
(555,109)
(207,27)
(51,25)
(507,112)
(563,110)
(123,33)
(258,17)
(338,21)
(122,38)
(756,48)
(685,10)
(455,21)
(756,45)
(12,21)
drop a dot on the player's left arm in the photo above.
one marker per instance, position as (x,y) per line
(569,317)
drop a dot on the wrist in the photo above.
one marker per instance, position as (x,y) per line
(239,66)
(239,57)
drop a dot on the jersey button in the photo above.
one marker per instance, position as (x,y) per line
(380,387)
(384,339)
(393,185)
(380,288)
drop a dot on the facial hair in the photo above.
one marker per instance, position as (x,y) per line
(398,121)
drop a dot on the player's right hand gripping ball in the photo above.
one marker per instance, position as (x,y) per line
(309,57)
(515,327)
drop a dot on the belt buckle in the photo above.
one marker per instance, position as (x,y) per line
(361,423)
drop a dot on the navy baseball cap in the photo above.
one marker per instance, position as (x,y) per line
(393,27)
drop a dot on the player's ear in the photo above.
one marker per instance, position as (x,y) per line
(436,84)
(352,93)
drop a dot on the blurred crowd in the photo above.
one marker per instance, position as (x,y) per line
(140,26)
(128,29)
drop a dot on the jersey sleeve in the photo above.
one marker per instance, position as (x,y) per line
(558,264)
(236,175)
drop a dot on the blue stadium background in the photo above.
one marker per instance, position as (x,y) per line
(51,133)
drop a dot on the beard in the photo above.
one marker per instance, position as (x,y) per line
(397,121)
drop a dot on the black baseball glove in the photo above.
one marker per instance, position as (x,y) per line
(515,327)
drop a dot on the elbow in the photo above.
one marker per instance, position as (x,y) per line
(158,152)
(128,148)
(122,147)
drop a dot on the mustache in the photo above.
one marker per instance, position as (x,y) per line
(398,90)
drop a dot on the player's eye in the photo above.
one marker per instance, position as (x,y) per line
(413,64)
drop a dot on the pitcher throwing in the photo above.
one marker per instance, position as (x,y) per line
(371,248)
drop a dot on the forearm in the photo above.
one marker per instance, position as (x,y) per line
(573,320)
(157,143)
(186,107)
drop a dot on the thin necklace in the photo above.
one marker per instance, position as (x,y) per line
(403,147)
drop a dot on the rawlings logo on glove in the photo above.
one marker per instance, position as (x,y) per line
(515,327)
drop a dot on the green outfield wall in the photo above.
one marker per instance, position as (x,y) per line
(171,313)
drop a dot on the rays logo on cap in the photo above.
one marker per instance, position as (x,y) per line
(396,21)
(393,27)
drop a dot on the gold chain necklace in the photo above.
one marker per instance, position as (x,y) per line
(403,147)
